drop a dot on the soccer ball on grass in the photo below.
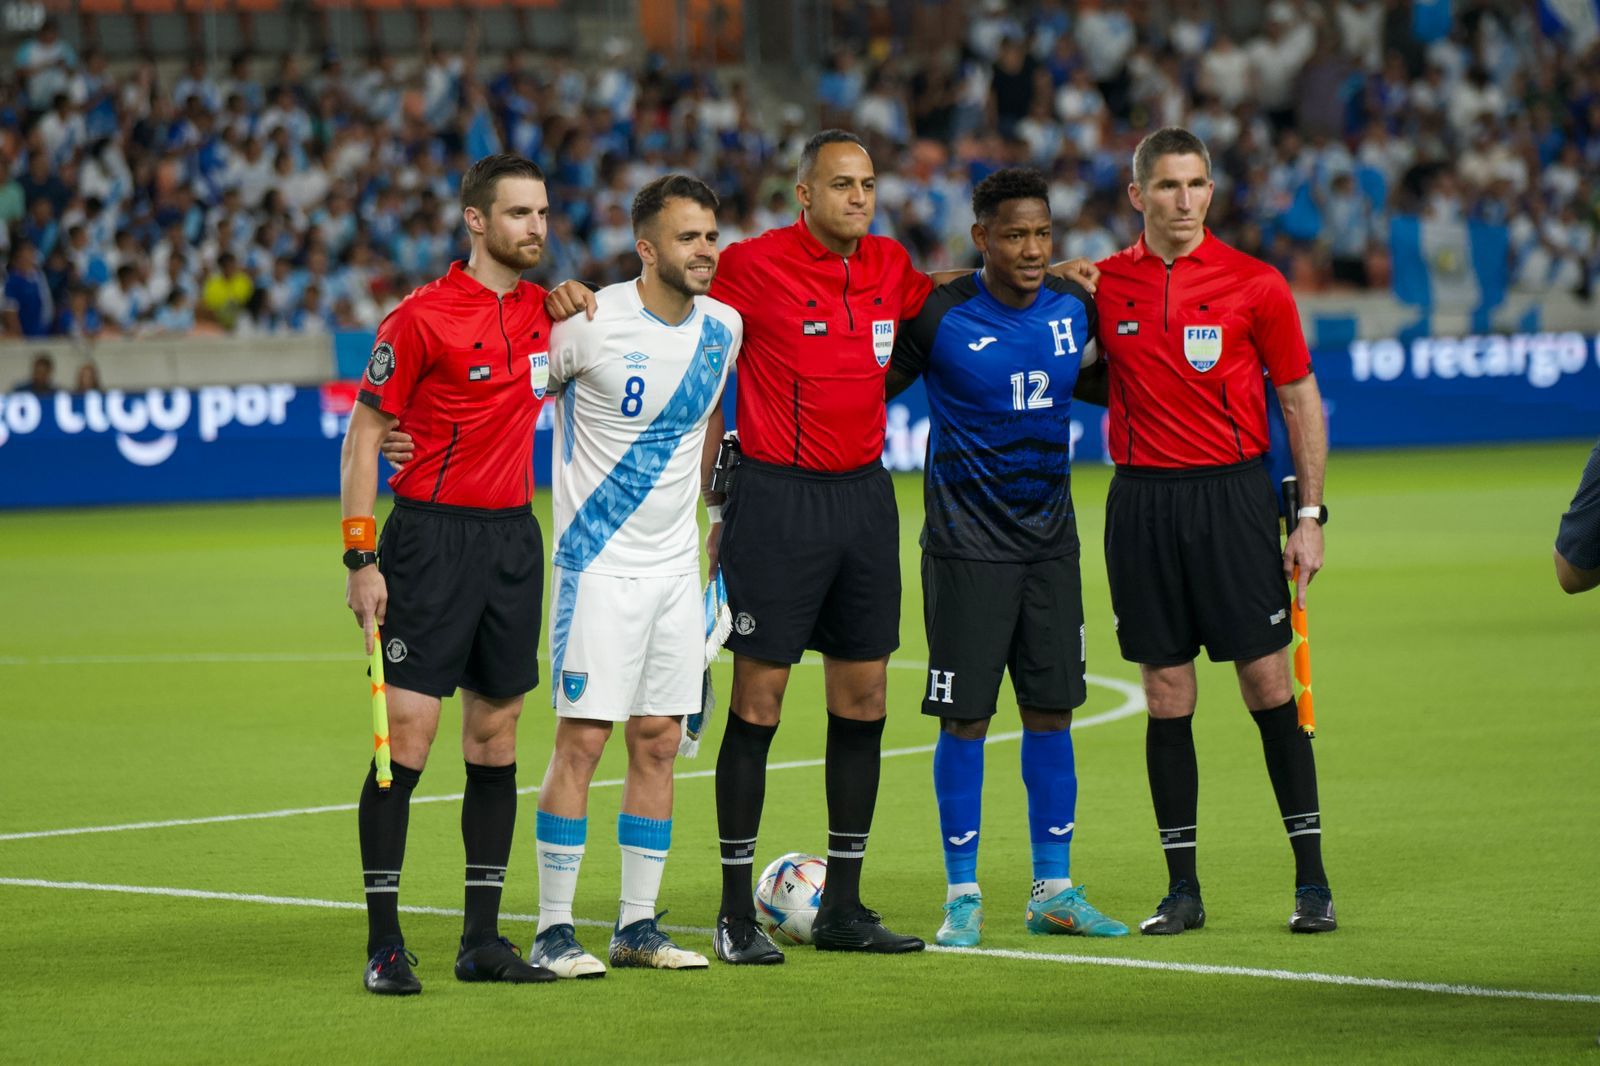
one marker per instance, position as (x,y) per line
(788,894)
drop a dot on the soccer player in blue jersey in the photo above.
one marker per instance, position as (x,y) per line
(999,352)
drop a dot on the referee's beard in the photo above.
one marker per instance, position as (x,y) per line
(514,256)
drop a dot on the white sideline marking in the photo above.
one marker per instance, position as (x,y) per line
(1201,969)
(1132,704)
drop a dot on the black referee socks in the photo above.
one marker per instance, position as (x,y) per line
(854,750)
(741,791)
(488,818)
(381,819)
(1293,769)
(1175,789)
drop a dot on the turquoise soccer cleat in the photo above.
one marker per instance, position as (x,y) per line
(963,922)
(1069,913)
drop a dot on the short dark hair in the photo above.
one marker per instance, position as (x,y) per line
(1171,140)
(1012,183)
(813,148)
(479,182)
(653,197)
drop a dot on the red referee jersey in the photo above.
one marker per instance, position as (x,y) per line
(465,371)
(1185,346)
(818,331)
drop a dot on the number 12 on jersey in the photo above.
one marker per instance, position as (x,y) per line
(1038,382)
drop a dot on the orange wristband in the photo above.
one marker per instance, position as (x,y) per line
(360,532)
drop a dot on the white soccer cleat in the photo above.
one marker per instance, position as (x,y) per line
(557,949)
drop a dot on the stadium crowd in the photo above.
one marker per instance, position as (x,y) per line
(311,196)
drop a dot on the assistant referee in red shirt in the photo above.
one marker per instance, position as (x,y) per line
(457,578)
(1188,325)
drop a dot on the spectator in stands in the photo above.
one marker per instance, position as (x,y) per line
(87,378)
(1348,226)
(80,319)
(226,292)
(28,304)
(46,62)
(41,379)
(122,301)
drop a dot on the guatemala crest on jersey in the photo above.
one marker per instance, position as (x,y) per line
(713,355)
(539,373)
(573,684)
(1202,346)
(883,340)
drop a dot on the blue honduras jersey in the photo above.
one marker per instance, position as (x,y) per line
(999,384)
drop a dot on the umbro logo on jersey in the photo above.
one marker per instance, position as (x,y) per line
(981,343)
(478,373)
(1127,329)
(814,329)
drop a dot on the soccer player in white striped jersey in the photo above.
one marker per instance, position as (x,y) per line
(638,383)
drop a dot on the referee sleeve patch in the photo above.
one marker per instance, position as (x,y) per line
(381,366)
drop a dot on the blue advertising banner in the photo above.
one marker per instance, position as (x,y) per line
(250,441)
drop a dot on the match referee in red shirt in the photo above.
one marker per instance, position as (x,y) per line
(1188,325)
(810,540)
(456,580)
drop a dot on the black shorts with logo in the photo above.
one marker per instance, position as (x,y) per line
(812,560)
(1193,559)
(465,587)
(984,618)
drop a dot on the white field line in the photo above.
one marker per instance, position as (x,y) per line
(1198,969)
(1132,704)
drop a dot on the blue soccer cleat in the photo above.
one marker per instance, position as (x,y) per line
(963,922)
(643,945)
(1069,913)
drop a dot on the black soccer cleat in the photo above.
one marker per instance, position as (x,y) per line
(740,941)
(498,960)
(1178,911)
(859,929)
(1313,910)
(389,972)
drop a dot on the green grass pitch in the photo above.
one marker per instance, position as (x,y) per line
(178,663)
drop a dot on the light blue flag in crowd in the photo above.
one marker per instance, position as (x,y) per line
(1573,22)
(1449,265)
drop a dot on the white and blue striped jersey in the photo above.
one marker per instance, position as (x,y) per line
(635,394)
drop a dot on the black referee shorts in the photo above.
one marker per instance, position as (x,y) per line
(984,618)
(1193,559)
(464,599)
(812,560)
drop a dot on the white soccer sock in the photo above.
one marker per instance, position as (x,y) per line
(558,882)
(965,888)
(1047,887)
(644,843)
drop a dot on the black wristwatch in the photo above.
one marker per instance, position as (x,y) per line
(355,558)
(1320,513)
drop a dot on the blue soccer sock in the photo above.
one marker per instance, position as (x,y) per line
(958,784)
(1050,774)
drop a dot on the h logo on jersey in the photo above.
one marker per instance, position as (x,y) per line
(1202,346)
(1061,333)
(883,340)
(539,373)
(941,686)
(573,684)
